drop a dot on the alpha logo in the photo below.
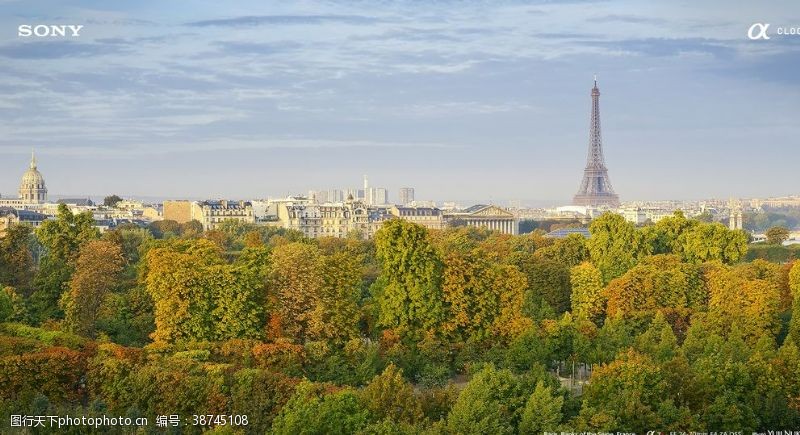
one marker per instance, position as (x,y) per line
(49,30)
(758,31)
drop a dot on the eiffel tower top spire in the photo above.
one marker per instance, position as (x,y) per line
(595,189)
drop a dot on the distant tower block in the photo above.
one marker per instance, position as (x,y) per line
(596,189)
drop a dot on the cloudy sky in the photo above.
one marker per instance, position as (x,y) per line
(484,100)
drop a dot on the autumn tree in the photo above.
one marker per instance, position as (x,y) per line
(777,235)
(569,251)
(16,258)
(336,314)
(548,285)
(737,298)
(658,282)
(295,285)
(313,296)
(97,270)
(587,297)
(794,284)
(615,245)
(484,299)
(389,396)
(412,298)
(252,239)
(176,279)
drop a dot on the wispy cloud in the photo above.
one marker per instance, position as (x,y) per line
(630,19)
(660,47)
(261,20)
(57,49)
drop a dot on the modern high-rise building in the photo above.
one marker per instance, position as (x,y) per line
(336,195)
(318,196)
(373,195)
(377,196)
(595,189)
(406,195)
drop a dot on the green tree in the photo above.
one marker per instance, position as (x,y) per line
(492,402)
(615,245)
(61,238)
(197,296)
(542,412)
(668,235)
(12,306)
(166,228)
(777,235)
(63,235)
(629,394)
(658,342)
(238,297)
(111,201)
(310,411)
(710,242)
(412,298)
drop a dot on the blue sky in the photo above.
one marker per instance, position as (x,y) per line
(472,100)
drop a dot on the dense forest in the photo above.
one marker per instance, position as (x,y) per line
(665,327)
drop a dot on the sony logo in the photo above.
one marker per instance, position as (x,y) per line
(51,30)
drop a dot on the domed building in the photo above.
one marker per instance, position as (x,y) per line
(32,189)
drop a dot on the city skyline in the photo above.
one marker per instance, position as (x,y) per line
(474,102)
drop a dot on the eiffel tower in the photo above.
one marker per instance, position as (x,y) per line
(596,187)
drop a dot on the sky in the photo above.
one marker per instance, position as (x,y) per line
(484,101)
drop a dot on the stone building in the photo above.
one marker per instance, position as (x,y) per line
(335,219)
(485,216)
(10,216)
(213,213)
(32,189)
(179,211)
(429,217)
(210,213)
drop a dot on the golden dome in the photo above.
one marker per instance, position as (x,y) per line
(32,177)
(32,188)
